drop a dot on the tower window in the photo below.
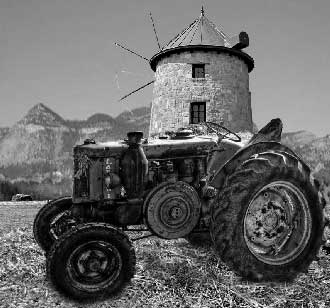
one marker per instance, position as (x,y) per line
(197,112)
(198,71)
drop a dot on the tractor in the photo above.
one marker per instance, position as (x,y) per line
(256,201)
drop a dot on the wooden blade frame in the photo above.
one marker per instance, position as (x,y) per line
(138,89)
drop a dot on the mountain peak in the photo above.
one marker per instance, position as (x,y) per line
(99,117)
(40,106)
(135,114)
(40,114)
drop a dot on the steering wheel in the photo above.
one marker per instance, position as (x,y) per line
(221,130)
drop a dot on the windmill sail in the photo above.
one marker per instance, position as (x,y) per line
(131,51)
(138,89)
(153,26)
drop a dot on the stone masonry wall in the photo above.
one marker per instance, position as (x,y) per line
(225,89)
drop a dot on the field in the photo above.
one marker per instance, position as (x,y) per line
(169,274)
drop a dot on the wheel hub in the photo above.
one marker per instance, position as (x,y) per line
(277,223)
(176,212)
(270,221)
(93,261)
(94,264)
(266,218)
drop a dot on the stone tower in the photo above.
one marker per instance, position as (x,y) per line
(202,75)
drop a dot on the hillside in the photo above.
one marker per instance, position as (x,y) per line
(38,148)
(315,151)
(3,131)
(299,138)
(43,116)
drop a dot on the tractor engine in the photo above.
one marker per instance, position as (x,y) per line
(161,183)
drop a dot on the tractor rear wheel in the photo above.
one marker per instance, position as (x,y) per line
(52,220)
(91,262)
(267,221)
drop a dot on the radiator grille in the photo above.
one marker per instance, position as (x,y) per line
(81,177)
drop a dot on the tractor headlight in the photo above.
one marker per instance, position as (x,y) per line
(112,180)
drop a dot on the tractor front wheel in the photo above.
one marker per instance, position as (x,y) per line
(91,261)
(267,221)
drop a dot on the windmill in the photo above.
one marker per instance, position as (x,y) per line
(191,35)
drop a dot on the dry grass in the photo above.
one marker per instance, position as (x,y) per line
(169,274)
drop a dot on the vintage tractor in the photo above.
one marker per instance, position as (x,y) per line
(257,201)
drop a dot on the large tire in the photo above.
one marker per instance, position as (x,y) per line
(91,262)
(252,227)
(42,222)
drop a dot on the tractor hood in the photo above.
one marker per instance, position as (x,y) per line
(158,148)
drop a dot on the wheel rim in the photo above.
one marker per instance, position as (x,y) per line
(277,223)
(94,265)
(60,224)
(174,211)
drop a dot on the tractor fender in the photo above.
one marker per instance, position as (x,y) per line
(218,178)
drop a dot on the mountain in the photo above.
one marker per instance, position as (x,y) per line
(314,150)
(3,131)
(38,148)
(103,127)
(138,118)
(42,115)
(40,144)
(299,138)
(99,118)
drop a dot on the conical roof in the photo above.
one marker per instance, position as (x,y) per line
(201,32)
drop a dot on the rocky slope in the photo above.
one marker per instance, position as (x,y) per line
(3,131)
(39,146)
(314,150)
(299,138)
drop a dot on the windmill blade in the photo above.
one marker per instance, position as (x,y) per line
(131,51)
(153,26)
(138,89)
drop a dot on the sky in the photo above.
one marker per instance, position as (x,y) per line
(62,53)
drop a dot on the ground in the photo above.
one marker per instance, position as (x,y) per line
(169,274)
